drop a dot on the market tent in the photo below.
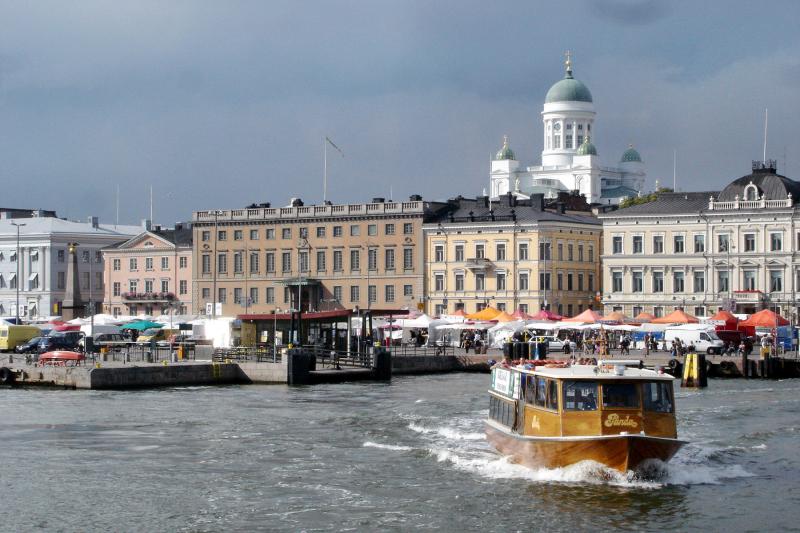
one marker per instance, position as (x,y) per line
(504,317)
(546,314)
(521,315)
(644,317)
(589,316)
(764,319)
(724,320)
(422,321)
(615,316)
(676,317)
(488,313)
(459,312)
(502,332)
(141,325)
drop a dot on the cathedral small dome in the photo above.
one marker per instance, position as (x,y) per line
(587,148)
(630,155)
(505,152)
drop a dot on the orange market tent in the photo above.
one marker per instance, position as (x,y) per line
(764,319)
(676,317)
(589,316)
(724,320)
(459,312)
(644,317)
(504,317)
(615,316)
(486,314)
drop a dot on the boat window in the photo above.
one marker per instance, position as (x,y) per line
(580,395)
(501,411)
(552,394)
(541,392)
(530,389)
(620,395)
(658,397)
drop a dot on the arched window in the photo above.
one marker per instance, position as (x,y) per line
(750,193)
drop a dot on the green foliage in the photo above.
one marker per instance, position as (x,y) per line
(646,199)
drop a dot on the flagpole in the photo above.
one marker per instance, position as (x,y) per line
(325,173)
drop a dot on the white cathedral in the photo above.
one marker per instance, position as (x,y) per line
(569,159)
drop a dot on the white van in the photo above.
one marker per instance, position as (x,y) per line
(703,339)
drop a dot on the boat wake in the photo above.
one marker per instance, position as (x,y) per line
(456,444)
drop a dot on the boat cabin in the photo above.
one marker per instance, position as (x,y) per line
(583,400)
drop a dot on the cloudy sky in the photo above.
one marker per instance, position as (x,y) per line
(221,104)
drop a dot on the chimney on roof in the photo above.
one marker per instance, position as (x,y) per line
(94,221)
(147,224)
(482,200)
(415,198)
(378,200)
(296,202)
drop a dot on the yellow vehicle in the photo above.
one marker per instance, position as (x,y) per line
(12,335)
(155,334)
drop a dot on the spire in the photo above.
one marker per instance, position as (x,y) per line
(505,152)
(568,64)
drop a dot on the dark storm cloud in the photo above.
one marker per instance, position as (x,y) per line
(223,104)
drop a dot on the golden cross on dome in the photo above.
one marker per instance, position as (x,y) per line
(568,62)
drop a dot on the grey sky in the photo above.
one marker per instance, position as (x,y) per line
(221,104)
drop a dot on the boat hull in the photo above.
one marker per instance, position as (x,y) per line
(620,452)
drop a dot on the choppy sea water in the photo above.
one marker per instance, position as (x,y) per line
(374,457)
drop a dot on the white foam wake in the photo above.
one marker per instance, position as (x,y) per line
(393,447)
(446,432)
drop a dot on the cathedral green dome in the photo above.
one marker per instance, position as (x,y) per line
(568,90)
(505,152)
(587,148)
(631,155)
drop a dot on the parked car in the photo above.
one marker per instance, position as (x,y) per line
(59,341)
(556,344)
(30,346)
(105,339)
(12,335)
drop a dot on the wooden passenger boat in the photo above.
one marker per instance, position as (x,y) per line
(615,413)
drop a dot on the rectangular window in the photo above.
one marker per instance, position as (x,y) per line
(580,281)
(183,262)
(238,262)
(372,259)
(389,259)
(133,285)
(320,232)
(459,252)
(222,263)
(591,283)
(337,293)
(206,292)
(183,287)
(501,281)
(222,295)
(389,293)
(658,282)
(253,234)
(321,266)
(638,244)
(616,244)
(270,234)
(372,230)
(438,282)
(544,281)
(286,233)
(544,251)
(749,278)
(205,236)
(749,242)
(355,230)
(270,296)
(117,287)
(723,243)
(303,232)
(408,259)
(338,261)
(254,266)
(61,256)
(580,252)
(523,281)
(438,253)
(389,229)
(568,141)
(560,281)
(620,395)
(560,249)
(699,244)
(677,244)
(775,242)
(222,235)
(480,251)
(408,228)
(570,256)
(723,281)
(580,395)
(148,263)
(657,397)
(237,235)
(677,282)
(569,283)
(459,281)
(501,251)
(480,282)
(117,264)
(355,260)
(302,261)
(206,264)
(616,281)
(286,261)
(164,285)
(337,231)
(523,251)
(591,253)
(270,262)
(658,244)
(355,293)
(148,285)
(253,295)
(699,279)
(132,264)
(775,281)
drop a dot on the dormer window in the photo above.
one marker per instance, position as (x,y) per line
(750,193)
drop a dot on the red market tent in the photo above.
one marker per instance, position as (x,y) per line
(676,317)
(644,317)
(589,316)
(459,312)
(546,314)
(724,320)
(764,319)
(615,316)
(519,314)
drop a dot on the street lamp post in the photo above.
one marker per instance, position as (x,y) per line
(275,334)
(18,225)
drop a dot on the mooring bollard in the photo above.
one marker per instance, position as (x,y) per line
(694,371)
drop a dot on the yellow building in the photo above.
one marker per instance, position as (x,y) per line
(514,255)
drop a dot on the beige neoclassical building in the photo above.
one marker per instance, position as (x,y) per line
(511,254)
(738,248)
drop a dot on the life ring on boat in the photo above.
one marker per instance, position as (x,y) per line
(7,377)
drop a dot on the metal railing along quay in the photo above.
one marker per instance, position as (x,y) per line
(247,353)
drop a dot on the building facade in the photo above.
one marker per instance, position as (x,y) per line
(40,268)
(737,249)
(316,257)
(569,158)
(150,273)
(511,254)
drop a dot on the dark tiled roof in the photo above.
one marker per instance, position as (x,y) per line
(468,209)
(180,237)
(619,192)
(668,203)
(773,186)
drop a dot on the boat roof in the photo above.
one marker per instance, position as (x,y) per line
(594,372)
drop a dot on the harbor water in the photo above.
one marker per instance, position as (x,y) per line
(404,455)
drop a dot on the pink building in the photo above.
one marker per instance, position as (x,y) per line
(150,273)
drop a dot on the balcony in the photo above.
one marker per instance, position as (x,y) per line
(746,297)
(148,297)
(479,264)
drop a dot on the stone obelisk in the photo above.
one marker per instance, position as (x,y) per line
(72,306)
